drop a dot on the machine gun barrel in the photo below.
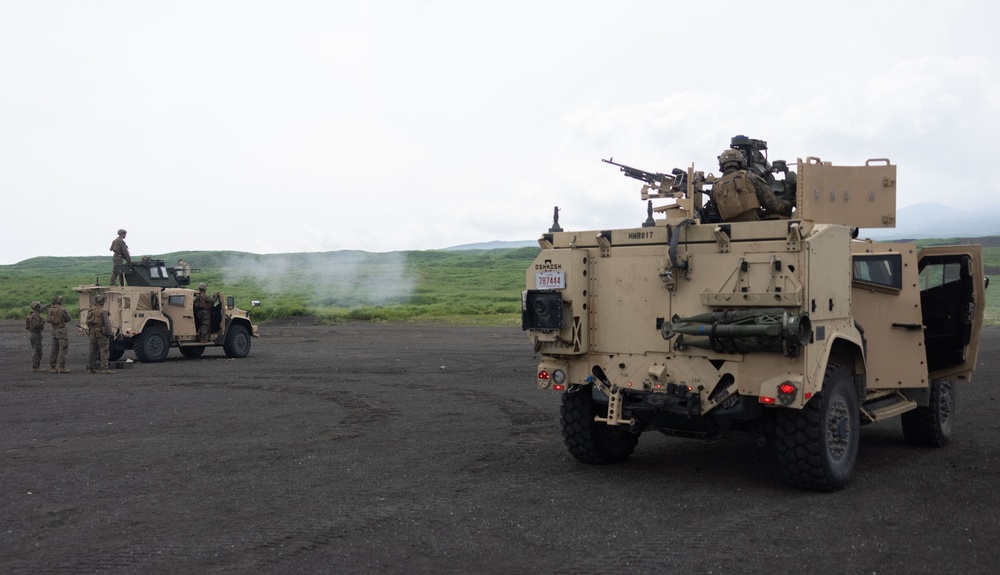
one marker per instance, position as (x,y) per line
(650,178)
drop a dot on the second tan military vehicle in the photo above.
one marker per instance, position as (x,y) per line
(787,328)
(154,312)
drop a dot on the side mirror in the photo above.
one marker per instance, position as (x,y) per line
(230,302)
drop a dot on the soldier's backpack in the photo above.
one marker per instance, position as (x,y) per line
(734,194)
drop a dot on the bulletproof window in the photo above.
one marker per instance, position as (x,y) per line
(939,274)
(882,270)
(177,300)
(157,272)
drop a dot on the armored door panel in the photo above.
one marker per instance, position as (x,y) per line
(856,196)
(829,275)
(952,299)
(178,305)
(627,296)
(886,308)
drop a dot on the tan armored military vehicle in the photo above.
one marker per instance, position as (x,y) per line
(788,328)
(154,311)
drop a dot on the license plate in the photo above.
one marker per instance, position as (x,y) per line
(550,280)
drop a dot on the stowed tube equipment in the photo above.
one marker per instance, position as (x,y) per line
(772,330)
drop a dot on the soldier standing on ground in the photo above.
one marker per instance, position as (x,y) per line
(58,317)
(203,311)
(99,329)
(740,194)
(35,324)
(121,256)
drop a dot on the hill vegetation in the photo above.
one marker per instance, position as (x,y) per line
(480,287)
(468,286)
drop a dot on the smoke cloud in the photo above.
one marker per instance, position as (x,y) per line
(329,279)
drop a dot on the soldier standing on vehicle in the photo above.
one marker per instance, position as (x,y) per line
(58,317)
(35,324)
(203,311)
(99,329)
(740,194)
(121,256)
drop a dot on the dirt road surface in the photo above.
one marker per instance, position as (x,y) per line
(427,449)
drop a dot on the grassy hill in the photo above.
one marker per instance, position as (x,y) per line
(473,286)
(468,286)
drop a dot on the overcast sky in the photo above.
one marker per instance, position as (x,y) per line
(316,125)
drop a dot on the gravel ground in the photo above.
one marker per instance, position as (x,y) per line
(427,449)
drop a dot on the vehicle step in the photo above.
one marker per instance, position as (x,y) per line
(886,407)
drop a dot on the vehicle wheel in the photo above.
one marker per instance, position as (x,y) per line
(192,350)
(930,426)
(237,341)
(818,445)
(590,441)
(152,345)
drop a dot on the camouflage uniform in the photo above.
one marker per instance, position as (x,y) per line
(203,311)
(121,256)
(736,180)
(99,329)
(35,324)
(58,317)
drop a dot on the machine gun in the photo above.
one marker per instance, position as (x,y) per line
(650,178)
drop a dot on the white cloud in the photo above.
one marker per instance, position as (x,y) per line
(315,126)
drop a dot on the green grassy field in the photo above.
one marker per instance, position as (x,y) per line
(471,287)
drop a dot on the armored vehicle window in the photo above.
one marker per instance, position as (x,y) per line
(175,300)
(935,275)
(883,270)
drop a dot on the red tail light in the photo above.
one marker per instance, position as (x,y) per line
(787,392)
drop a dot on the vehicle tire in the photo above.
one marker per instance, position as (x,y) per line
(237,341)
(192,350)
(818,445)
(590,441)
(152,345)
(930,425)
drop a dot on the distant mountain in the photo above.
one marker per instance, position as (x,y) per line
(933,220)
(916,222)
(496,245)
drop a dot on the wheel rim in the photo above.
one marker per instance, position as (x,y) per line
(838,429)
(241,342)
(155,346)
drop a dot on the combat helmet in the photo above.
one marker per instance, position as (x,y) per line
(202,287)
(732,156)
(57,299)
(36,305)
(99,298)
